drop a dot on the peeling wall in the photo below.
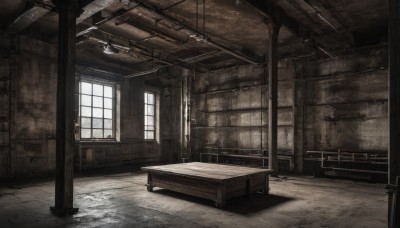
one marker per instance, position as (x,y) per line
(347,104)
(335,104)
(28,75)
(28,78)
(230,109)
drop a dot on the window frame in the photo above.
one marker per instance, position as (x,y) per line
(113,110)
(155,120)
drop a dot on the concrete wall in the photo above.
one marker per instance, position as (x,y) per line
(132,150)
(335,104)
(28,78)
(346,102)
(230,109)
(28,109)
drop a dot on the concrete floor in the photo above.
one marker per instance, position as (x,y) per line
(121,200)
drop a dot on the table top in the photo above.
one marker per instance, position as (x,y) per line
(210,171)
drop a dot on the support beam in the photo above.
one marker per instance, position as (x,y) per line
(198,36)
(65,108)
(94,7)
(277,15)
(273,97)
(26,19)
(299,88)
(394,112)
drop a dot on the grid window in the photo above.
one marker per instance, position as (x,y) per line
(149,115)
(96,108)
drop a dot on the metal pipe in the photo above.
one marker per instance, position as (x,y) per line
(144,72)
(199,36)
(174,4)
(228,51)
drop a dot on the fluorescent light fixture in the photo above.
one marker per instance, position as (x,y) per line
(109,49)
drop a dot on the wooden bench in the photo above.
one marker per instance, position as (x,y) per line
(210,181)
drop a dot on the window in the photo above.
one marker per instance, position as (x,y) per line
(149,115)
(96,110)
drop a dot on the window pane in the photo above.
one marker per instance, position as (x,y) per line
(108,103)
(97,133)
(86,88)
(150,120)
(86,111)
(108,91)
(97,90)
(150,134)
(107,123)
(150,110)
(85,133)
(86,100)
(145,98)
(98,102)
(150,98)
(107,113)
(97,123)
(98,112)
(108,134)
(149,128)
(86,122)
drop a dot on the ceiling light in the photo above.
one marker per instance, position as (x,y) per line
(109,49)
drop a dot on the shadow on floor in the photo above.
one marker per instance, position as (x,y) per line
(256,203)
(241,205)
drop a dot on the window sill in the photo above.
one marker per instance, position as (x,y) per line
(97,141)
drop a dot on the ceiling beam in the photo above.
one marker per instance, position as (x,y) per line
(279,16)
(131,46)
(93,7)
(198,36)
(27,18)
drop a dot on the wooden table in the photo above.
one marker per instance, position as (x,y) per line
(211,181)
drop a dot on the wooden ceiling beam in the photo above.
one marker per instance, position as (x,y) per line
(279,16)
(27,18)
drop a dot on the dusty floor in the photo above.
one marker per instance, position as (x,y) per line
(121,200)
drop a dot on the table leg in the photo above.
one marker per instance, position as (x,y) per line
(221,196)
(248,188)
(266,184)
(149,186)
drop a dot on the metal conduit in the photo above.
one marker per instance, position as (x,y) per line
(199,36)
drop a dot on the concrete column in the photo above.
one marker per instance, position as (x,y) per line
(298,116)
(394,111)
(273,96)
(65,108)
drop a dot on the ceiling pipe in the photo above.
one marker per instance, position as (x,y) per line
(198,36)
(200,57)
(142,73)
(231,52)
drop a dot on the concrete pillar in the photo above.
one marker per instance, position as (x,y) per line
(65,108)
(298,116)
(273,96)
